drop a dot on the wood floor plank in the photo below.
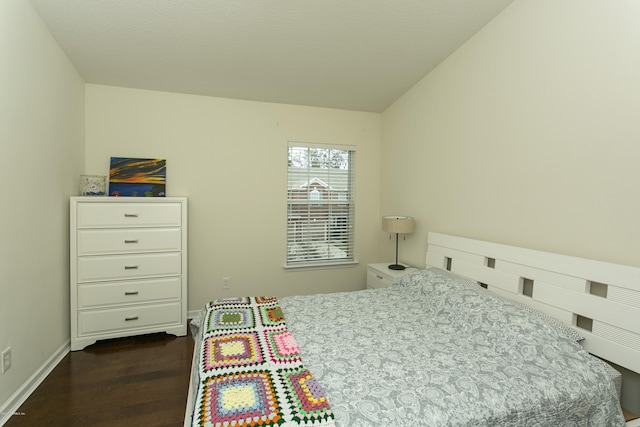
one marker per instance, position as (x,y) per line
(134,381)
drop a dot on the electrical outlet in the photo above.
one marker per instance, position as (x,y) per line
(226,283)
(6,360)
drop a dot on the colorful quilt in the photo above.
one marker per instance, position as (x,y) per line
(251,372)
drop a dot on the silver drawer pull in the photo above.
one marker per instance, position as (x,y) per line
(131,215)
(379,276)
(131,241)
(130,267)
(128,319)
(131,293)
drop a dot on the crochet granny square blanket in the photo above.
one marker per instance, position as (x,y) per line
(251,372)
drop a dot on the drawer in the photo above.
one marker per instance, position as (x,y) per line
(134,317)
(97,215)
(129,292)
(377,280)
(114,267)
(128,240)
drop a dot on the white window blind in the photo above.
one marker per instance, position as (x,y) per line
(320,204)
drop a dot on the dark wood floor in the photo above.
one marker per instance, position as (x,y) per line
(137,381)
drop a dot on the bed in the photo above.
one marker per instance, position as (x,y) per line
(486,335)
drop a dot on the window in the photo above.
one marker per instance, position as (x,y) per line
(320,205)
(315,194)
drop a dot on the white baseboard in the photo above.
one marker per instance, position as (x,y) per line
(10,407)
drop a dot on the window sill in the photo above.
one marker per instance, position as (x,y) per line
(320,266)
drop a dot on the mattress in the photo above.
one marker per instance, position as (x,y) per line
(434,349)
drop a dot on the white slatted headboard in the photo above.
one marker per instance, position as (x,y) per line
(601,300)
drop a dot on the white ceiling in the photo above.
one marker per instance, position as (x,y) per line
(347,54)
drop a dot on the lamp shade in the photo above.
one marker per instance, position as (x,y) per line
(397,224)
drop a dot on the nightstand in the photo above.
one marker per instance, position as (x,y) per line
(381,276)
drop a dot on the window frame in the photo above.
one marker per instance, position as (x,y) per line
(334,224)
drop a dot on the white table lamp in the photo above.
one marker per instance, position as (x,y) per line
(398,225)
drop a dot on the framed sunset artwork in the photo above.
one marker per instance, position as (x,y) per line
(130,177)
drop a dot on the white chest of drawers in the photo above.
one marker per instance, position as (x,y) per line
(128,267)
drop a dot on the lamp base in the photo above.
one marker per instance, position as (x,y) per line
(396,267)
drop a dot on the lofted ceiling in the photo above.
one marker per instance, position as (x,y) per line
(346,54)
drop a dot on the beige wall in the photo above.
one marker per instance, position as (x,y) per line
(41,157)
(229,158)
(527,135)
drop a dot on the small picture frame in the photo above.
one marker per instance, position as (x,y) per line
(93,185)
